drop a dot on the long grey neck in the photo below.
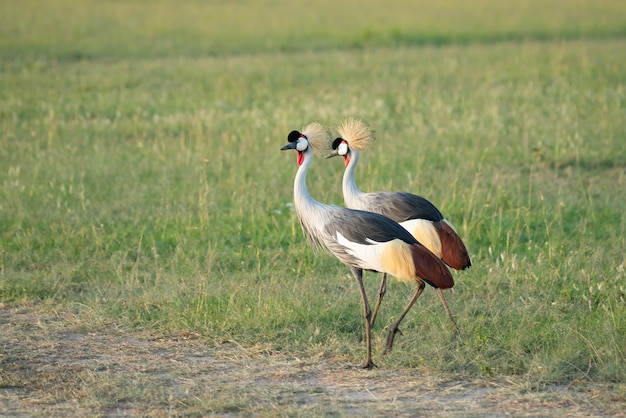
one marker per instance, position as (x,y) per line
(303,201)
(350,190)
(312,214)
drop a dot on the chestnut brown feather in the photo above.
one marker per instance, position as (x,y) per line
(429,268)
(453,251)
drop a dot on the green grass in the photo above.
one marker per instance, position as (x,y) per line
(73,30)
(141,181)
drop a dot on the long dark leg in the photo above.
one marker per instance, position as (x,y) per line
(367,314)
(379,299)
(394,328)
(445,306)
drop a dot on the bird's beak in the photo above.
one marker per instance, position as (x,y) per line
(291,145)
(332,154)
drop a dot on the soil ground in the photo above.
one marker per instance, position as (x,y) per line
(48,366)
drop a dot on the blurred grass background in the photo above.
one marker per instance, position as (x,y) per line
(70,30)
(142,187)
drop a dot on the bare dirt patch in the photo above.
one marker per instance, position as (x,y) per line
(48,366)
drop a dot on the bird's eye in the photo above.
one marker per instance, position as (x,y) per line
(302,144)
(342,149)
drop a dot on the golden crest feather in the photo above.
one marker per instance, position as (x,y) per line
(358,135)
(318,136)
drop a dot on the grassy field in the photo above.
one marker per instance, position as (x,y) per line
(142,188)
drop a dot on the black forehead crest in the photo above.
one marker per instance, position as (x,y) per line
(336,143)
(294,136)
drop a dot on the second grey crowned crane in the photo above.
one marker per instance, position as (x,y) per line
(418,215)
(361,240)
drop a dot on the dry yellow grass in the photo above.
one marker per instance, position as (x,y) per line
(49,366)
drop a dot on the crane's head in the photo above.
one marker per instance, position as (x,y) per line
(299,142)
(355,135)
(313,138)
(340,148)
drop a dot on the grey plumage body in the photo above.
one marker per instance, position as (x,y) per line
(399,206)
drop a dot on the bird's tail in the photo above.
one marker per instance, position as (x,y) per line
(430,268)
(453,251)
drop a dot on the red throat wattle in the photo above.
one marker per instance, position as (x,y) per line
(346,160)
(300,158)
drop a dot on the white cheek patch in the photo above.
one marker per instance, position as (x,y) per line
(342,149)
(302,144)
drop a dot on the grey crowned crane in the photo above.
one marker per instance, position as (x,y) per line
(419,216)
(361,240)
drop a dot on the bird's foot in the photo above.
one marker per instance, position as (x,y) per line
(390,337)
(368,365)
